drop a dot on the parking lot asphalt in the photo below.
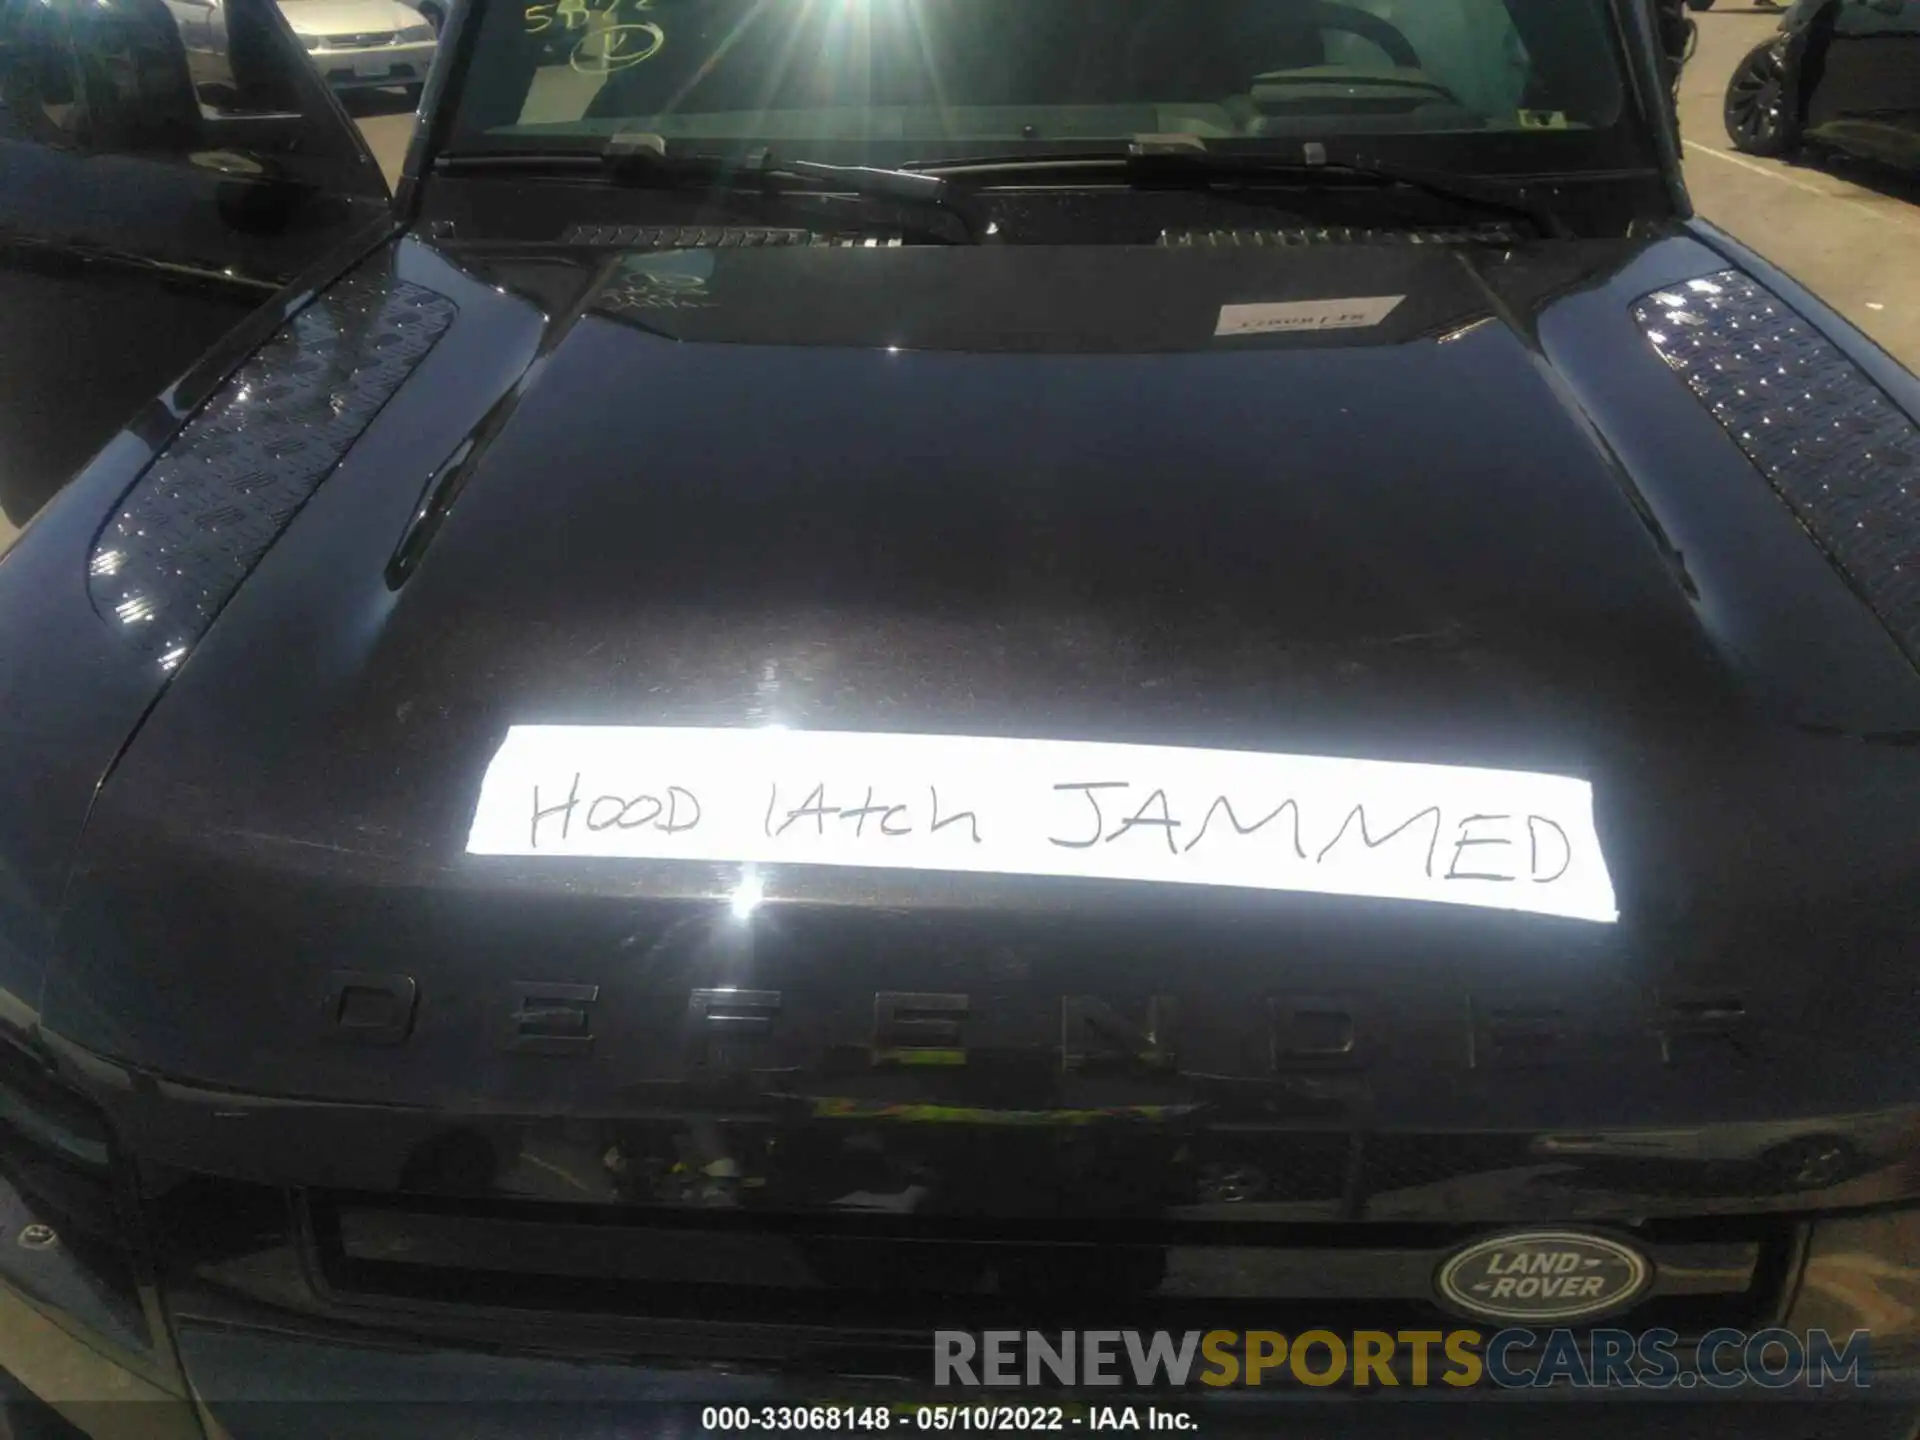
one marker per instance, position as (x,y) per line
(1847,231)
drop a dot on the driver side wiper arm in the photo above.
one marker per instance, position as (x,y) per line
(645,159)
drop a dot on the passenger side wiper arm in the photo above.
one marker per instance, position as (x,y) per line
(1188,162)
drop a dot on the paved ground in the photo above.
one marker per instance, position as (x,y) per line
(388,125)
(1848,232)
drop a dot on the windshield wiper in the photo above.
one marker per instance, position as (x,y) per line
(1183,161)
(645,159)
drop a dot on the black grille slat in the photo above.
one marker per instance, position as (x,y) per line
(895,1271)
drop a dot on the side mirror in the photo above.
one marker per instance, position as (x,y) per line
(108,148)
(279,105)
(180,77)
(1677,34)
(133,66)
(263,132)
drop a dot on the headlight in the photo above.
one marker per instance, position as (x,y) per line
(312,42)
(415,33)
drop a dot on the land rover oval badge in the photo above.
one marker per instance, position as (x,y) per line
(1543,1275)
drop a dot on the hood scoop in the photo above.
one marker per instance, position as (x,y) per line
(1837,450)
(226,486)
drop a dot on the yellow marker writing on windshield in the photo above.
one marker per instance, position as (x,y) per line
(617,47)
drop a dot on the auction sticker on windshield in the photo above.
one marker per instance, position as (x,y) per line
(1500,839)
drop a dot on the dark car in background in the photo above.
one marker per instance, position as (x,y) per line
(876,667)
(1842,75)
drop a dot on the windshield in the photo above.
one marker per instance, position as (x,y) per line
(905,80)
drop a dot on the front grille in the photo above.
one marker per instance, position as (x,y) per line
(364,41)
(1396,1162)
(907,1274)
(61,1212)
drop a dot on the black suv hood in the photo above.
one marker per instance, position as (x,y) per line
(1026,494)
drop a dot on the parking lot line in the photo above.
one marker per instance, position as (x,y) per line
(1893,214)
(1759,169)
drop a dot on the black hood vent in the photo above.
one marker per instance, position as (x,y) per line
(1840,452)
(1494,234)
(717,237)
(762,237)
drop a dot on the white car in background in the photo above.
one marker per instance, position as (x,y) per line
(357,44)
(361,44)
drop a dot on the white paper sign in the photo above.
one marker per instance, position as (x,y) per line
(1273,318)
(1501,839)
